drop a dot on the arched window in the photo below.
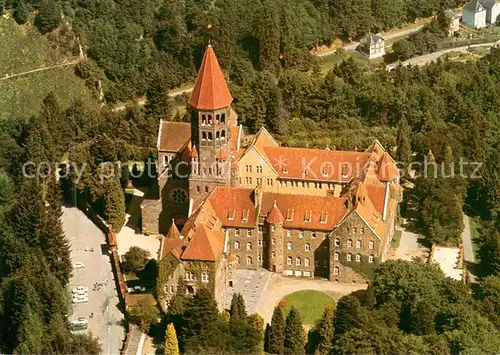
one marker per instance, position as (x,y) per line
(298,261)
(249,246)
(289,260)
(249,260)
(273,241)
(336,270)
(349,257)
(209,119)
(337,242)
(273,254)
(223,134)
(209,171)
(358,258)
(371,245)
(307,247)
(204,136)
(203,119)
(217,119)
(335,256)
(172,289)
(358,244)
(210,136)
(217,135)
(236,245)
(349,243)
(306,261)
(370,258)
(238,259)
(223,118)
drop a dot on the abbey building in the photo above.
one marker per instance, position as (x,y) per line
(227,201)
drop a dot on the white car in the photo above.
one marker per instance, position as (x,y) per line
(80,299)
(78,265)
(80,290)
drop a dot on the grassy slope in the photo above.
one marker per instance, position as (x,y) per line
(310,304)
(24,49)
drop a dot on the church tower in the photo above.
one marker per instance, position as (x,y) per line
(211,125)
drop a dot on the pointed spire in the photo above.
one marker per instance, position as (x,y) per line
(275,216)
(194,152)
(210,91)
(173,233)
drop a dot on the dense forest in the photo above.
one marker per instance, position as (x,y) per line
(441,113)
(137,45)
(410,308)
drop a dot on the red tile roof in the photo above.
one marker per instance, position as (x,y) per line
(173,135)
(222,154)
(387,169)
(233,206)
(173,246)
(376,193)
(210,91)
(205,244)
(324,212)
(173,233)
(275,216)
(313,164)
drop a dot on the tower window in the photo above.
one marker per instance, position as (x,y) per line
(210,136)
(223,118)
(210,119)
(217,135)
(223,134)
(206,188)
(204,136)
(217,119)
(203,119)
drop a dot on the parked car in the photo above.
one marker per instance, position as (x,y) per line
(80,299)
(79,324)
(80,290)
(78,265)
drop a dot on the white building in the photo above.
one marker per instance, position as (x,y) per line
(492,10)
(454,21)
(372,46)
(474,14)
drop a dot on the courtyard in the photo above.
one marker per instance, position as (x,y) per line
(262,290)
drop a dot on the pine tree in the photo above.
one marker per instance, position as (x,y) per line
(159,104)
(346,314)
(20,12)
(171,344)
(237,309)
(201,311)
(403,141)
(52,239)
(27,212)
(294,333)
(325,331)
(49,15)
(115,203)
(277,332)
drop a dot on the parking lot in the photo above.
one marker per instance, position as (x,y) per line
(104,318)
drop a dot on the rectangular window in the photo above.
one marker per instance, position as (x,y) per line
(249,233)
(289,246)
(237,231)
(289,234)
(301,234)
(204,277)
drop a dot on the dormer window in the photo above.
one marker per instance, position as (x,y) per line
(346,169)
(323,217)
(244,215)
(308,216)
(289,214)
(284,168)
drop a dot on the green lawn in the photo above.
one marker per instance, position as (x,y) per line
(310,304)
(24,49)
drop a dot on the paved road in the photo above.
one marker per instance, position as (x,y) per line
(467,241)
(251,284)
(353,45)
(107,320)
(427,58)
